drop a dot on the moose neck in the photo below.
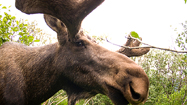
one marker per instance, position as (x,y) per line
(41,74)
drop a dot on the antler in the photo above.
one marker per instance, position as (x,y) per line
(133,52)
(70,12)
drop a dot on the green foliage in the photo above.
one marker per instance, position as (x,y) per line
(185,1)
(39,35)
(182,37)
(100,100)
(176,98)
(167,76)
(59,98)
(14,30)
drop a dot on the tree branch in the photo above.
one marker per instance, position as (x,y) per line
(184,101)
(148,46)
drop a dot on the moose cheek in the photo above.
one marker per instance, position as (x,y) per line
(82,70)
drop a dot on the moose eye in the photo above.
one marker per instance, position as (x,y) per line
(79,43)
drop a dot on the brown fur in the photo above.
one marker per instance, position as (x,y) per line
(30,75)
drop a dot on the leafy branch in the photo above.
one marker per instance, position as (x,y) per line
(13,30)
(148,46)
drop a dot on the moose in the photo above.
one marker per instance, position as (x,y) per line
(76,64)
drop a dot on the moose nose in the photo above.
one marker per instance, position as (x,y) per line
(135,95)
(138,90)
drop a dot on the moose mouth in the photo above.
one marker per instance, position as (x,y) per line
(118,98)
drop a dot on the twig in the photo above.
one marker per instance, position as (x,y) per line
(61,100)
(87,100)
(149,46)
(184,101)
(184,97)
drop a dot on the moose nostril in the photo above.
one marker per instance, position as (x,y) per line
(134,94)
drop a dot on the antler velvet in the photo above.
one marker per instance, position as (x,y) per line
(70,12)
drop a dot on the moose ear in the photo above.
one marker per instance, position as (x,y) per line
(55,24)
(58,26)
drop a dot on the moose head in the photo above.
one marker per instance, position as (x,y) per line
(31,75)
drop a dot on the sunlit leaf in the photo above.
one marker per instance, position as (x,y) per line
(24,29)
(5,13)
(13,17)
(134,34)
(31,38)
(21,25)
(21,33)
(25,25)
(4,7)
(37,40)
(15,29)
(17,22)
(4,19)
(9,23)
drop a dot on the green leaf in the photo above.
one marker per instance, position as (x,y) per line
(9,23)
(21,33)
(4,19)
(134,34)
(21,25)
(13,17)
(24,29)
(37,40)
(25,25)
(17,22)
(15,29)
(30,38)
(5,13)
(4,7)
